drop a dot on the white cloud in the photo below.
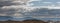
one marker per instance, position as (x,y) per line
(19,8)
(23,1)
(49,7)
(17,1)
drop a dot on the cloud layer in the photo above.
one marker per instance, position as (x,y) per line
(18,9)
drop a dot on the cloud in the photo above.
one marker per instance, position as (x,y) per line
(4,12)
(23,10)
(3,0)
(49,7)
(20,11)
(13,2)
(6,3)
(29,3)
(16,9)
(10,2)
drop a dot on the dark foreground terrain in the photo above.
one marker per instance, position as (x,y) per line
(25,21)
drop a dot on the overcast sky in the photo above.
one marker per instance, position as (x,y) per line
(10,7)
(22,8)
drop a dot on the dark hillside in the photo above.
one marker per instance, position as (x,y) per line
(25,21)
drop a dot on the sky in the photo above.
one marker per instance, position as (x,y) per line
(30,8)
(47,3)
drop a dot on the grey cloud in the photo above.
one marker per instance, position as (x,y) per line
(5,3)
(7,12)
(21,11)
(43,13)
(10,11)
(8,3)
(3,0)
(36,12)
